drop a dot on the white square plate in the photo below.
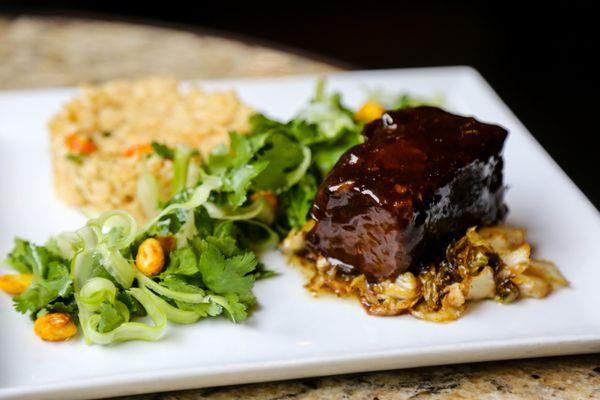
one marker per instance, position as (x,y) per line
(293,335)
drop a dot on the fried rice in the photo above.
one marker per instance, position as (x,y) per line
(100,140)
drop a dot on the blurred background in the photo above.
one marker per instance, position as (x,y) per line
(537,57)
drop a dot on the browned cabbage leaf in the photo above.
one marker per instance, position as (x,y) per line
(486,263)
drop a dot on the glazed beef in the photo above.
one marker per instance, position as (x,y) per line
(422,177)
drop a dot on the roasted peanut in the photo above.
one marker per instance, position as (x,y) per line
(55,327)
(369,111)
(150,258)
(15,284)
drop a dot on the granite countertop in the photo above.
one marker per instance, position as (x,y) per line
(43,52)
(51,51)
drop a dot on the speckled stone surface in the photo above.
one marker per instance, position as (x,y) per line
(575,377)
(44,52)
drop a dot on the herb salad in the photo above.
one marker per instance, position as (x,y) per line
(197,257)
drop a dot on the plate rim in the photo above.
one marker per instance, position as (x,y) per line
(187,378)
(299,367)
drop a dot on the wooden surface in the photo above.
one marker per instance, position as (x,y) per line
(50,51)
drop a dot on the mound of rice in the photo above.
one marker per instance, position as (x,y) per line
(117,121)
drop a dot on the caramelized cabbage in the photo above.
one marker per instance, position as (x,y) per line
(486,263)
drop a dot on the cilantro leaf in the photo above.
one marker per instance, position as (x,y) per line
(68,306)
(228,275)
(326,155)
(326,115)
(37,295)
(225,229)
(132,304)
(224,237)
(203,309)
(394,101)
(296,204)
(43,290)
(242,148)
(182,261)
(51,279)
(27,257)
(240,179)
(226,245)
(261,272)
(261,123)
(283,155)
(235,309)
(110,318)
(180,284)
(204,223)
(238,166)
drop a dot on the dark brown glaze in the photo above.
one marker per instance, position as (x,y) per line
(422,177)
